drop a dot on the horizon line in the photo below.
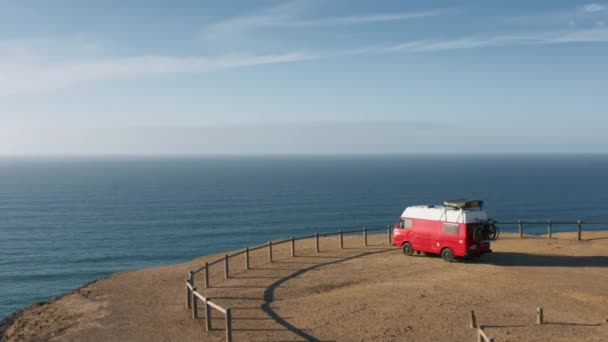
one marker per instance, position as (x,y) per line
(258,155)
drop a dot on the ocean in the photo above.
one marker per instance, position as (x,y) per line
(68,221)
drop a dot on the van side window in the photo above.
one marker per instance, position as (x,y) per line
(451,228)
(405,223)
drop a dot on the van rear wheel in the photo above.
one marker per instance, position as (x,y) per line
(407,249)
(447,255)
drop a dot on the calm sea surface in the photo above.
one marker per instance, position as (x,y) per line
(64,222)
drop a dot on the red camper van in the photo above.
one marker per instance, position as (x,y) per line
(459,228)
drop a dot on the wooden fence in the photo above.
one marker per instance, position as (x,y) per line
(193,295)
(483,337)
(193,303)
(549,224)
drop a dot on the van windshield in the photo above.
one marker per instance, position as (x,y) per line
(404,223)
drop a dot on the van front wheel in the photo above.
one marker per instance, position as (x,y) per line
(447,255)
(407,249)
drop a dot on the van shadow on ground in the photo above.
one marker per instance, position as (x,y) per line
(547,260)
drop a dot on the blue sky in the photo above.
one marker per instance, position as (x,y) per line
(282,77)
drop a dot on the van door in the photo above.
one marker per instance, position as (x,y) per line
(424,235)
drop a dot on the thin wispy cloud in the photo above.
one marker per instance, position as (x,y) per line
(39,76)
(595,35)
(582,16)
(594,8)
(366,19)
(293,15)
(575,36)
(460,43)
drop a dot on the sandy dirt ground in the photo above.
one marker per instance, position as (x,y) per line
(359,293)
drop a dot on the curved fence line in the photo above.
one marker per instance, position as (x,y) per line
(193,296)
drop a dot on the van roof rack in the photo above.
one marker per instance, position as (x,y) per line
(463,204)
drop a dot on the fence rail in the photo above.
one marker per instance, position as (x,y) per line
(556,222)
(549,224)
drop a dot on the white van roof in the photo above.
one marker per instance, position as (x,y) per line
(444,214)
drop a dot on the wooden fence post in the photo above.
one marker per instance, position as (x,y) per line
(247,258)
(226,267)
(228,325)
(188,294)
(539,315)
(207,315)
(579,228)
(194,304)
(521,228)
(270,251)
(341,239)
(206,275)
(473,320)
(365,236)
(317,242)
(388,234)
(188,304)
(293,246)
(549,228)
(482,337)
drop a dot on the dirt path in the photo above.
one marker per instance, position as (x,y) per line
(359,293)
